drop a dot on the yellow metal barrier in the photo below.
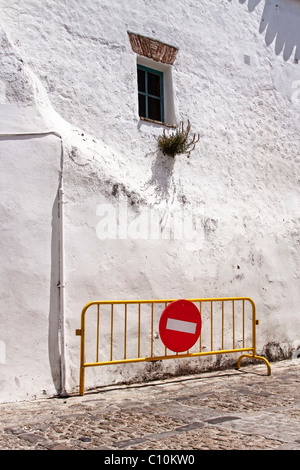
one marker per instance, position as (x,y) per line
(233,313)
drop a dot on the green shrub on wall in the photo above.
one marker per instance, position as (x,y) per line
(178,142)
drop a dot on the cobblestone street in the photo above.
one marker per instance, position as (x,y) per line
(230,409)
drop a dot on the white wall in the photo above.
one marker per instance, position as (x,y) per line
(29,267)
(236,78)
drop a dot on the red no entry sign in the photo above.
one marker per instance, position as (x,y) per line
(180,325)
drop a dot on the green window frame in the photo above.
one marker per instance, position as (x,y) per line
(150,93)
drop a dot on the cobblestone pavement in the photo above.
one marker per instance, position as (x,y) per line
(231,409)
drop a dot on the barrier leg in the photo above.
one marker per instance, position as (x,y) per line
(81,386)
(260,358)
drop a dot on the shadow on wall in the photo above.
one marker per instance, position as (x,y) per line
(53,332)
(280,23)
(162,176)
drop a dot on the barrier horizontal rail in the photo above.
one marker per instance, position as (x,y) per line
(246,345)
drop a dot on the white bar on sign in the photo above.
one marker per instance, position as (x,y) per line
(180,325)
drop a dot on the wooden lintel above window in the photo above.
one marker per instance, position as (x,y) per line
(152,48)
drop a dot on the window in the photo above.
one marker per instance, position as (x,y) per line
(155,83)
(150,91)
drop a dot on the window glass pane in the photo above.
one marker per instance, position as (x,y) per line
(142,105)
(141,80)
(154,109)
(153,84)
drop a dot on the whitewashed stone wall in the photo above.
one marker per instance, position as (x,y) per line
(69,67)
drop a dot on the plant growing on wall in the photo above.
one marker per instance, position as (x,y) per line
(178,142)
